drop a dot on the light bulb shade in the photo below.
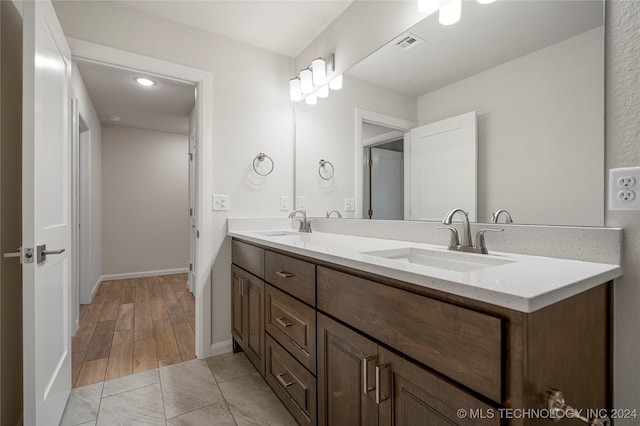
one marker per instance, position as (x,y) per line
(336,83)
(323,91)
(451,12)
(428,6)
(312,99)
(319,70)
(295,90)
(485,1)
(306,81)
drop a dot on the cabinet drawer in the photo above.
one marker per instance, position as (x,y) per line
(248,257)
(293,325)
(462,344)
(293,384)
(296,277)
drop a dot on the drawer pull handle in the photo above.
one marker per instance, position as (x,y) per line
(282,381)
(285,274)
(379,368)
(365,374)
(284,322)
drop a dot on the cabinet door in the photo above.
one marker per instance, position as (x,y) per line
(238,277)
(412,396)
(346,376)
(254,333)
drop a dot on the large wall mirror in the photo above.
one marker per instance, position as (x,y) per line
(530,77)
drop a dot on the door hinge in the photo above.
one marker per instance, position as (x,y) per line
(197,234)
(370,163)
(191,156)
(191,267)
(370,213)
(190,212)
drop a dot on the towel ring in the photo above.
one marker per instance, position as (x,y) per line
(327,174)
(260,158)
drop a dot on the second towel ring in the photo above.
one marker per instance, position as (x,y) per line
(328,174)
(260,158)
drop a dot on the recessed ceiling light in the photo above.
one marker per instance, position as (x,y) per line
(114,118)
(143,81)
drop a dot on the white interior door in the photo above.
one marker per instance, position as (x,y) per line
(441,168)
(386,184)
(192,205)
(46,215)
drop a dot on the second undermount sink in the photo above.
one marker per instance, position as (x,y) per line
(448,260)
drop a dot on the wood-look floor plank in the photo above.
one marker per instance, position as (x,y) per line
(166,345)
(125,317)
(121,356)
(144,355)
(99,347)
(186,340)
(92,372)
(128,328)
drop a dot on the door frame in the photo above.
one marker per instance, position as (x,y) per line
(85,51)
(363,116)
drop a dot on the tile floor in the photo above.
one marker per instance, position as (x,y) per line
(221,390)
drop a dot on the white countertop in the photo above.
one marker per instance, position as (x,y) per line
(526,283)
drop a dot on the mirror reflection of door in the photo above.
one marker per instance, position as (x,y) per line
(384,180)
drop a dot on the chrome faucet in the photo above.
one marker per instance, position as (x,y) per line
(467,245)
(338,214)
(496,216)
(305,224)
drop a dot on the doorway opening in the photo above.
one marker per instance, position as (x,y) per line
(141,313)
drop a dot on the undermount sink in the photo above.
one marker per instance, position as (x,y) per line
(276,233)
(448,260)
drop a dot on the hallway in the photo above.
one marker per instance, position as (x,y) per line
(133,326)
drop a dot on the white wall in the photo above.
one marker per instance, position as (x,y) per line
(252,114)
(328,131)
(623,150)
(94,225)
(543,108)
(145,184)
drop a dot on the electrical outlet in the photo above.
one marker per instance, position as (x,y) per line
(301,202)
(220,202)
(623,186)
(349,205)
(626,195)
(284,203)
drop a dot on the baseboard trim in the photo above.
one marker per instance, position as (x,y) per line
(221,348)
(95,288)
(143,274)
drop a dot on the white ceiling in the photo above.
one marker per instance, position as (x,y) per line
(163,107)
(284,27)
(486,36)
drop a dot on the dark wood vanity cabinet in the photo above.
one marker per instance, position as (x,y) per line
(248,315)
(345,347)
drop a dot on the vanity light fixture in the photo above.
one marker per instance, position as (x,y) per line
(295,89)
(312,82)
(450,12)
(143,81)
(306,81)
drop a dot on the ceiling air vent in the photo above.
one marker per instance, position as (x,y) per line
(407,41)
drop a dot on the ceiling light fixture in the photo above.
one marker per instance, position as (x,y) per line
(143,81)
(312,83)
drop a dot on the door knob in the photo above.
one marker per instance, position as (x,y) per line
(43,252)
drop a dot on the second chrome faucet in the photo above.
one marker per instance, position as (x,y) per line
(467,244)
(305,224)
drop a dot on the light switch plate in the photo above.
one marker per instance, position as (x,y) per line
(284,203)
(624,188)
(301,202)
(220,202)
